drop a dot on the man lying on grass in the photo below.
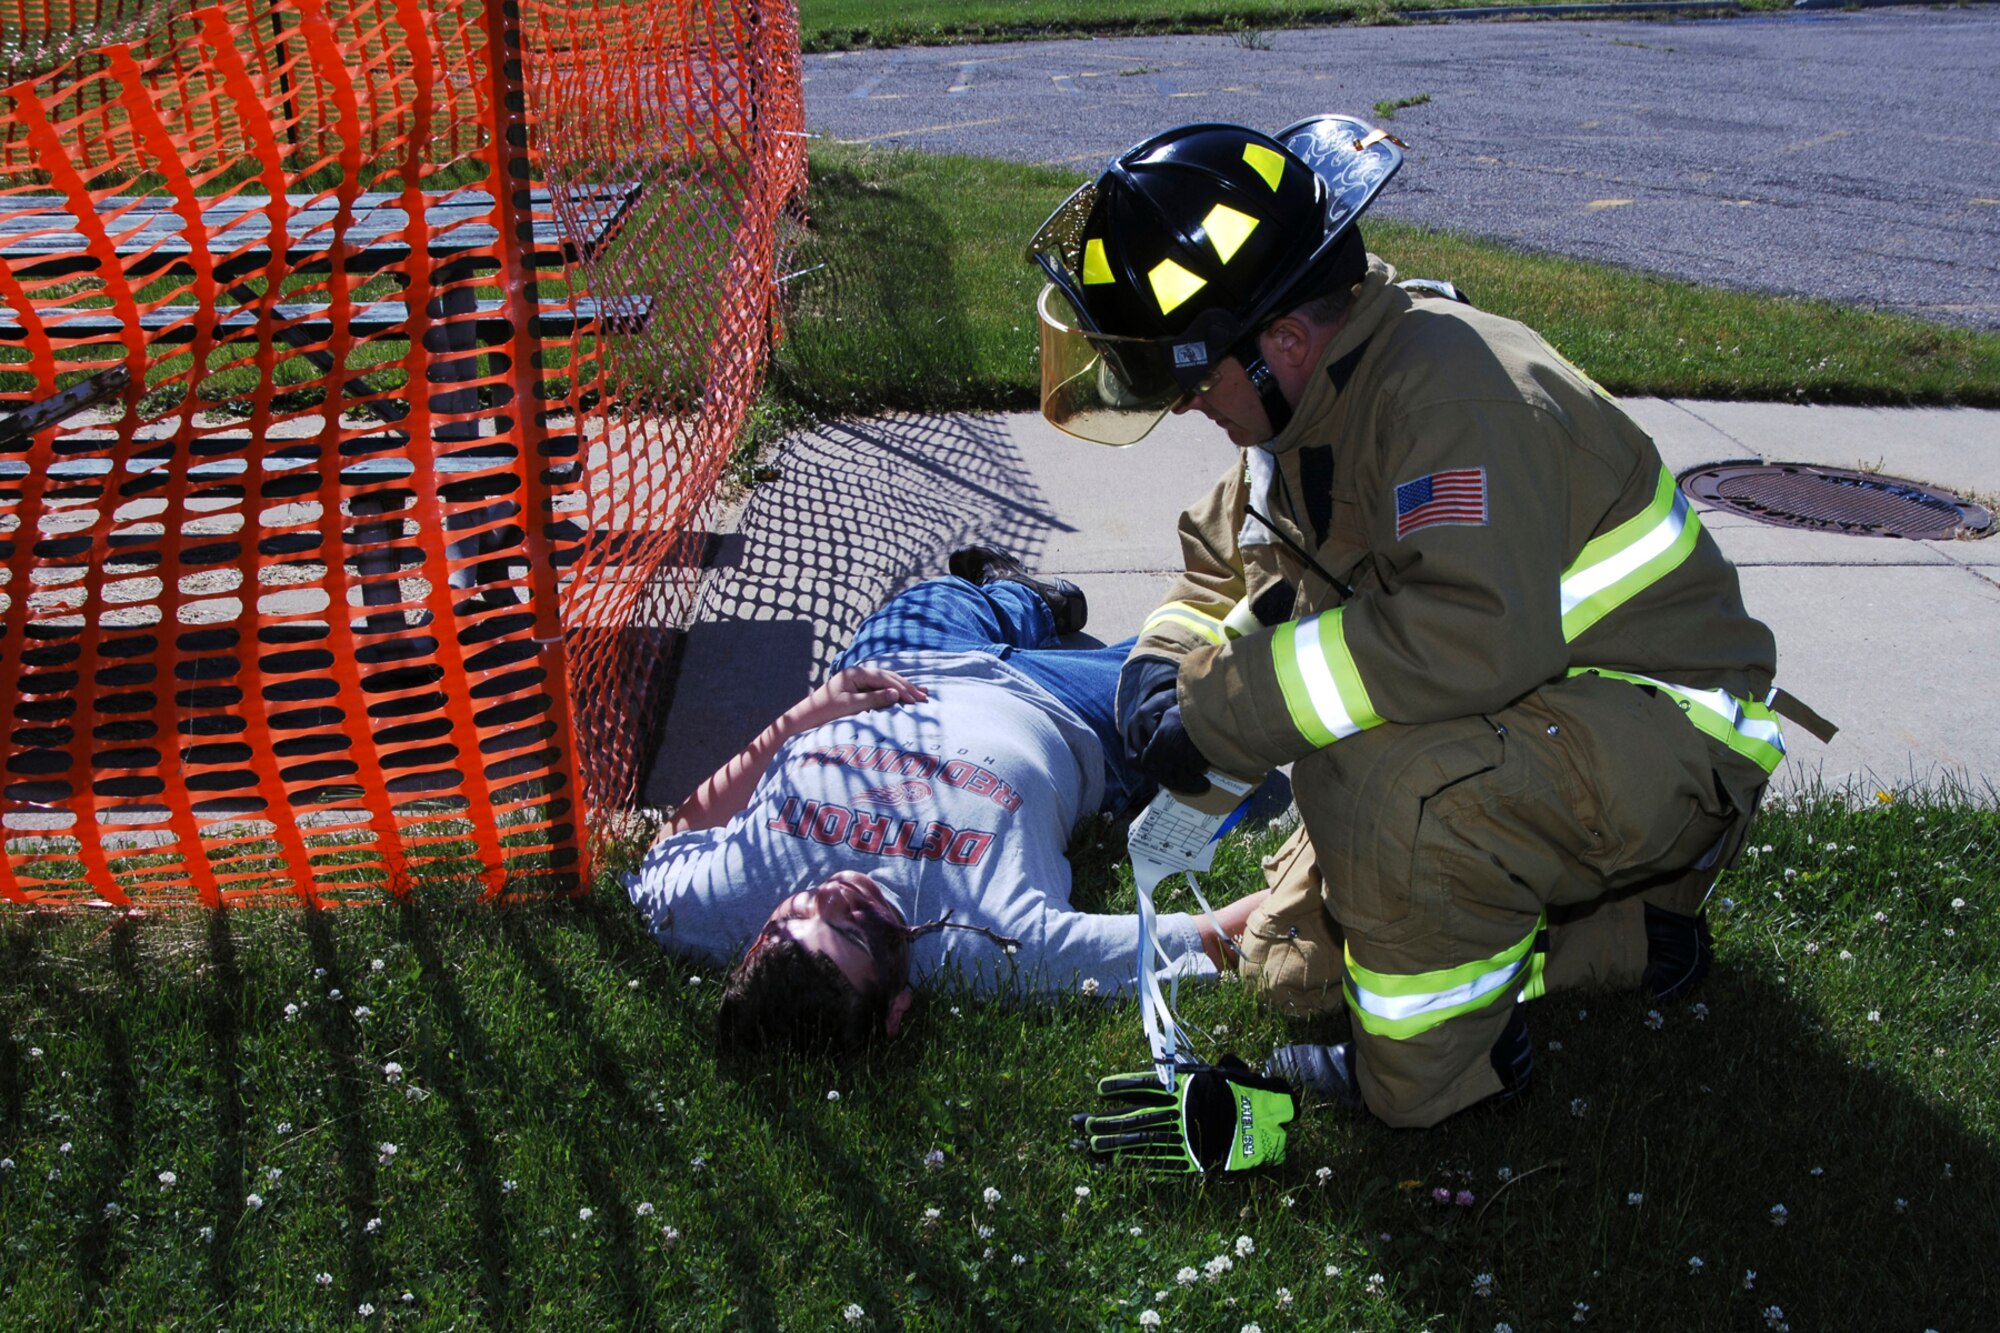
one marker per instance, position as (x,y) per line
(907,821)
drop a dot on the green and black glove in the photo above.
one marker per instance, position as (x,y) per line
(1219,1117)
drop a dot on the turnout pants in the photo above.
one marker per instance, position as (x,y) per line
(1468,865)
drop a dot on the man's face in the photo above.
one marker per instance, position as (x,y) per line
(1231,402)
(847,919)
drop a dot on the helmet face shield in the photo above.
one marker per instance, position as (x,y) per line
(1103,389)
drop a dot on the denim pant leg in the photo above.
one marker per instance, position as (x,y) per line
(949,615)
(1013,623)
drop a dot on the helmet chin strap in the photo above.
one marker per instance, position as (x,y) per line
(1266,384)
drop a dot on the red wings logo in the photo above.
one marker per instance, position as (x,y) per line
(896,793)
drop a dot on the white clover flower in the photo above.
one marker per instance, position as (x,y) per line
(291,1011)
(983,1231)
(1019,1260)
(1581,1312)
(1812,947)
(1902,1205)
(670,1235)
(319,974)
(1503,1328)
(284,1128)
(408,1298)
(1780,1215)
(1698,1012)
(65,1148)
(1749,1279)
(694,981)
(1136,1230)
(987,1253)
(167,1179)
(376,965)
(334,994)
(1881,918)
(1774,1316)
(1578,1107)
(1846,957)
(1505,1174)
(509,1186)
(388,1149)
(1323,1175)
(362,1013)
(364,1309)
(1817,1172)
(1245,1247)
(698,1162)
(1149,1319)
(633,984)
(934,1159)
(853,1314)
(207,1235)
(274,1174)
(34,1052)
(1013,949)
(585,1214)
(933,1214)
(1482,1284)
(1251,1328)
(1655,1019)
(1217,1266)
(1634,1199)
(253,1201)
(393,1072)
(645,1210)
(1187,1276)
(1089,986)
(1958,904)
(374,1225)
(324,1279)
(990,1195)
(1555,1047)
(1874,1015)
(6,1164)
(1083,1191)
(112,1209)
(1376,1284)
(1288,1201)
(833,1094)
(1695,1266)
(1282,1298)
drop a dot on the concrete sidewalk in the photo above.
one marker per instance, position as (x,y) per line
(1896,641)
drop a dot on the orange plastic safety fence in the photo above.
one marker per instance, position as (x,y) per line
(440,319)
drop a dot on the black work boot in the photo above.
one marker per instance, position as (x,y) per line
(981,565)
(1678,952)
(1323,1071)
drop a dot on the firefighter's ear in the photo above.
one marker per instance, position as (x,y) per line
(1288,345)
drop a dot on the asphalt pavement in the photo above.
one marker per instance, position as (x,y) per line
(1897,641)
(1848,155)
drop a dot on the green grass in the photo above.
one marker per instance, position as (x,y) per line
(916,297)
(837,25)
(554,1061)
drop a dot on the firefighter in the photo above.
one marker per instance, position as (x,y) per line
(1445,577)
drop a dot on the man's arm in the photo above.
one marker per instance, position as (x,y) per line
(1232,918)
(727,791)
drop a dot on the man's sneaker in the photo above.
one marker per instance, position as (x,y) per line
(981,565)
(1678,952)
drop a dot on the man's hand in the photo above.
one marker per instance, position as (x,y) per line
(1219,1117)
(1149,719)
(859,689)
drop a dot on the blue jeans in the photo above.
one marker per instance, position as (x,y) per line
(1011,622)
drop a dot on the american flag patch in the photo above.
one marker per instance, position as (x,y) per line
(1454,496)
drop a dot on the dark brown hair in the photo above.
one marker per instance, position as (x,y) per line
(786,995)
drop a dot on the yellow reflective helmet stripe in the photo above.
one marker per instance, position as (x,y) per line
(1173,284)
(1266,162)
(1227,229)
(1096,264)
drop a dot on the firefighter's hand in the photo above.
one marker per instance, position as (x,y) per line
(1222,1117)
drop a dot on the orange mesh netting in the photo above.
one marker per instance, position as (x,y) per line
(365,572)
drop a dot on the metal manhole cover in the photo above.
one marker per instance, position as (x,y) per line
(1833,499)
